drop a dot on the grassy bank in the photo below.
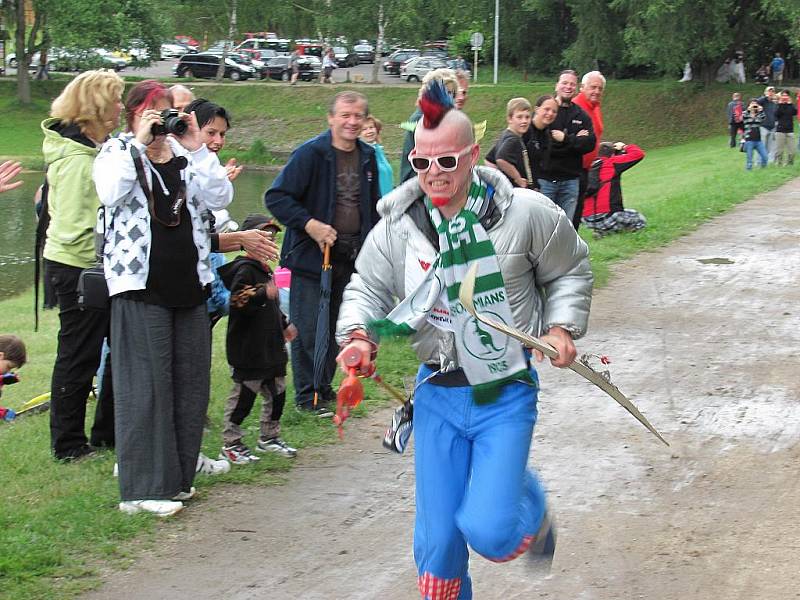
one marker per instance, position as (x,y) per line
(271,119)
(58,523)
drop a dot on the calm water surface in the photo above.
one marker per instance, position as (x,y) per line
(18,235)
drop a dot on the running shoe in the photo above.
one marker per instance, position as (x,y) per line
(160,508)
(209,466)
(237,454)
(276,445)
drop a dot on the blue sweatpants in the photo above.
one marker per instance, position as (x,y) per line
(473,487)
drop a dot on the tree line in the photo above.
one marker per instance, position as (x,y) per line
(624,38)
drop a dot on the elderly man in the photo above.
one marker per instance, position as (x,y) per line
(181,97)
(325,196)
(593,84)
(476,392)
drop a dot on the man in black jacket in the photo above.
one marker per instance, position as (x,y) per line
(573,136)
(325,195)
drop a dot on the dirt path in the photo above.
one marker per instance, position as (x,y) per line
(708,350)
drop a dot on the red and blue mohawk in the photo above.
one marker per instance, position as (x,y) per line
(434,103)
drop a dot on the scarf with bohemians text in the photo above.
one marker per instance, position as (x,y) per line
(489,358)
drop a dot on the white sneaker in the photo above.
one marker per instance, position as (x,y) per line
(209,466)
(185,495)
(160,508)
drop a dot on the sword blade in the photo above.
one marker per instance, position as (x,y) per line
(465,295)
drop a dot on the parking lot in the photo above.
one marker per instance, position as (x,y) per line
(163,69)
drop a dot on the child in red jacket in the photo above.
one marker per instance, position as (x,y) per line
(603,211)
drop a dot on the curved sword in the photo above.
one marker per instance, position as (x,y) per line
(465,296)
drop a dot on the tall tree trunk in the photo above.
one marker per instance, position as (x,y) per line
(231,33)
(23,59)
(378,44)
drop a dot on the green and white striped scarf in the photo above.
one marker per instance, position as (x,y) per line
(489,358)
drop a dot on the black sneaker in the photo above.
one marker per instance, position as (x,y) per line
(541,551)
(76,454)
(323,411)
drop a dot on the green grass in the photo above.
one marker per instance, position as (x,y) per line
(678,189)
(277,117)
(58,522)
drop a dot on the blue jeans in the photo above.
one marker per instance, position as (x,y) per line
(304,299)
(563,193)
(473,486)
(762,153)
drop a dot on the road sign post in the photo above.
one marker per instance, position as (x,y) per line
(476,40)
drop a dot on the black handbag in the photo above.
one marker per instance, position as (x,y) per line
(93,289)
(92,285)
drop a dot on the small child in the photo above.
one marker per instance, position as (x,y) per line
(603,211)
(257,332)
(511,151)
(371,134)
(12,357)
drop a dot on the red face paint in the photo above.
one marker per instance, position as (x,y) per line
(439,201)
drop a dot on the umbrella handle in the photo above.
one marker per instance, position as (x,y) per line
(326,257)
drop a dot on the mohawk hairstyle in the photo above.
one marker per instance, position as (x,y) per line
(434,103)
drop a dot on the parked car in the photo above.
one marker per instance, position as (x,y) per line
(188,41)
(309,48)
(416,68)
(174,50)
(206,64)
(278,68)
(265,55)
(392,64)
(365,53)
(36,60)
(344,57)
(459,64)
(109,60)
(253,46)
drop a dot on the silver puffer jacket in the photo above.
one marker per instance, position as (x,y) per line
(545,266)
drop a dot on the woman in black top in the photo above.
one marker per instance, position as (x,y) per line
(539,139)
(158,190)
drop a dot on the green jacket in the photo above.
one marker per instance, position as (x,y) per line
(72,199)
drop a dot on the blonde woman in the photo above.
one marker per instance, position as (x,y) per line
(81,119)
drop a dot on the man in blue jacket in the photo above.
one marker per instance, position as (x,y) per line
(325,195)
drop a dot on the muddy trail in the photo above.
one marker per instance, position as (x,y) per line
(703,336)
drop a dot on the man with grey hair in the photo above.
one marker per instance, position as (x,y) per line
(325,196)
(593,84)
(181,96)
(476,392)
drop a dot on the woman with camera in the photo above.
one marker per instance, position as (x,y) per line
(81,118)
(157,182)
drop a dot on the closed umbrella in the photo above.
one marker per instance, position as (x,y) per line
(323,336)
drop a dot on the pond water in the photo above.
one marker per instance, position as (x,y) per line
(18,236)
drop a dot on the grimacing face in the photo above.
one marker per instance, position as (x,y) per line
(445,139)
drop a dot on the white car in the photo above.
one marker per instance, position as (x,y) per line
(173,50)
(416,68)
(11,61)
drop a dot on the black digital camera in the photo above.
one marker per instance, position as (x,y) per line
(172,123)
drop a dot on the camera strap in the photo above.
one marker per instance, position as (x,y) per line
(175,209)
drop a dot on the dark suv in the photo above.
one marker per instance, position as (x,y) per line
(205,64)
(278,68)
(395,60)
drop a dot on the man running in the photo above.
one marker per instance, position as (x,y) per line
(476,393)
